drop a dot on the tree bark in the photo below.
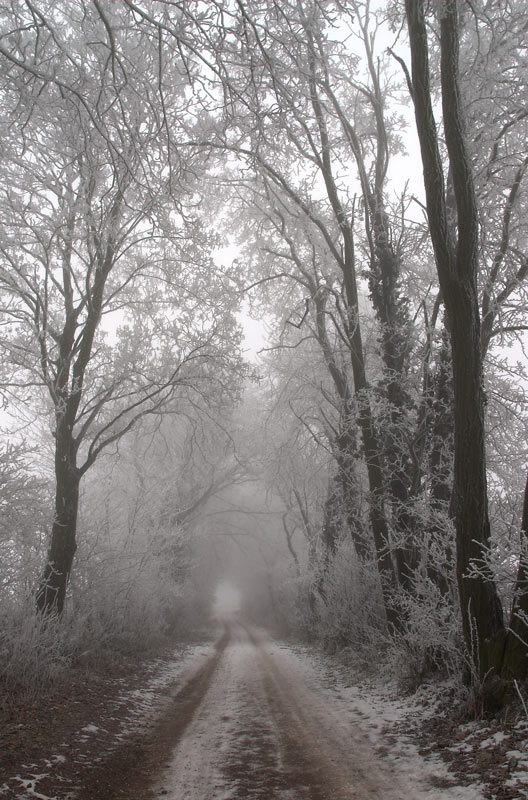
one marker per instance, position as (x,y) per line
(372,448)
(456,257)
(390,309)
(515,658)
(441,466)
(345,441)
(347,452)
(51,593)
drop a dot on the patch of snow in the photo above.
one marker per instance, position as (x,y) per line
(374,713)
(494,740)
(141,707)
(29,785)
(90,729)
(518,761)
(167,677)
(54,760)
(461,747)
(234,734)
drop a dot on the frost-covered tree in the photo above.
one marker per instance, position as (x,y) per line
(461,262)
(112,306)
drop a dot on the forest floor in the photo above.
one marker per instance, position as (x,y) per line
(251,717)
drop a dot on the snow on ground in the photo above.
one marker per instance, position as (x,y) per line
(167,677)
(374,714)
(265,697)
(518,760)
(275,717)
(492,766)
(129,711)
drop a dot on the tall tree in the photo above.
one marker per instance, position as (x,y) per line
(457,259)
(95,227)
(325,223)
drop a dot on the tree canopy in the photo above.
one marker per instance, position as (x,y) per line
(353,171)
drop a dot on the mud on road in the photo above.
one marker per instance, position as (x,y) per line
(252,723)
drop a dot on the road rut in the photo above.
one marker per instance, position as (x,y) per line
(253,723)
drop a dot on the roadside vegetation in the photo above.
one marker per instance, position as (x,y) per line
(351,175)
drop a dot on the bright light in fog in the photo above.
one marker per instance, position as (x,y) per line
(227,600)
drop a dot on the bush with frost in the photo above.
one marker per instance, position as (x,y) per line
(346,606)
(34,651)
(431,639)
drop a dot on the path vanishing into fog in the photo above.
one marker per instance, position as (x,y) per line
(254,721)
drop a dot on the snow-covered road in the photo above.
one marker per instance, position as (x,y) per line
(265,723)
(244,718)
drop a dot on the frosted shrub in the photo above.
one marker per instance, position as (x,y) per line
(109,614)
(35,651)
(348,607)
(432,638)
(121,605)
(291,615)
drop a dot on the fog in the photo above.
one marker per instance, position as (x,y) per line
(227,601)
(243,566)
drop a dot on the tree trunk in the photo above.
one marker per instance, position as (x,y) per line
(391,311)
(456,255)
(332,516)
(441,467)
(515,663)
(372,448)
(481,609)
(346,454)
(345,442)
(51,593)
(442,433)
(370,439)
(377,516)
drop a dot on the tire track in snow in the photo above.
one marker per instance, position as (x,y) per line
(255,722)
(263,733)
(231,751)
(316,762)
(128,773)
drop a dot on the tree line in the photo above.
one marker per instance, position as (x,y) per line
(141,138)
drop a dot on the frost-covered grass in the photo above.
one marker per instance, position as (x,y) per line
(101,624)
(34,651)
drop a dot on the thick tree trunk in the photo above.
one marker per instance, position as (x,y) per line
(377,516)
(371,441)
(395,448)
(51,593)
(359,412)
(441,467)
(332,516)
(442,434)
(481,609)
(346,455)
(456,255)
(391,311)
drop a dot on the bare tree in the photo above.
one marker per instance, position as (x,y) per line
(98,234)
(457,259)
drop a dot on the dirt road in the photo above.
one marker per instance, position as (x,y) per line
(253,722)
(260,731)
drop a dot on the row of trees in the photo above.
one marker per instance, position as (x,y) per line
(317,129)
(134,132)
